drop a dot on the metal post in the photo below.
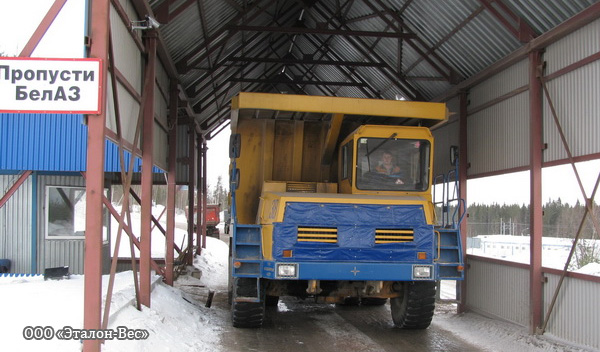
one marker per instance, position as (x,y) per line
(94,186)
(462,177)
(204,191)
(200,219)
(191,174)
(147,163)
(535,165)
(171,184)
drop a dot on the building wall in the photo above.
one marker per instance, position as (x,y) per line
(15,224)
(130,63)
(43,142)
(498,290)
(575,316)
(498,109)
(21,237)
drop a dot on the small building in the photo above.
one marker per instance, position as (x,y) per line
(42,224)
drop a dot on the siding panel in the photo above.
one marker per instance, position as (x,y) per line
(499,136)
(576,314)
(498,290)
(15,225)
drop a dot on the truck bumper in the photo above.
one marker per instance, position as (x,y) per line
(348,271)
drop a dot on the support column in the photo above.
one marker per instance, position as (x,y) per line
(191,175)
(200,209)
(462,179)
(204,191)
(200,219)
(535,205)
(147,163)
(171,184)
(94,185)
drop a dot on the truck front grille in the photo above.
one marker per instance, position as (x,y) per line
(301,187)
(317,234)
(394,235)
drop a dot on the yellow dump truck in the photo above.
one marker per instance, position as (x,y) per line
(332,200)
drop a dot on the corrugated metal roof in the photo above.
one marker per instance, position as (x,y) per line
(455,39)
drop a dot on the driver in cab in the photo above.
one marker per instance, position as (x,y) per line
(387,167)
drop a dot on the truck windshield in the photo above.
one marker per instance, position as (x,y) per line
(392,164)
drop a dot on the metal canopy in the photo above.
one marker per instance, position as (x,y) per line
(381,49)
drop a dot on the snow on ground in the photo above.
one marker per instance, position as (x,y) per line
(493,335)
(590,269)
(158,239)
(555,251)
(177,322)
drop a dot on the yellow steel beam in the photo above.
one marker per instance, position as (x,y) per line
(332,136)
(340,105)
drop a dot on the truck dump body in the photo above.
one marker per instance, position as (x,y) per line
(332,200)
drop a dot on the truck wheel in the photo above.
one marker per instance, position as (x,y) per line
(413,309)
(373,301)
(246,314)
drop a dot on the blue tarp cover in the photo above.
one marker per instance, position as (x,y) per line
(356,224)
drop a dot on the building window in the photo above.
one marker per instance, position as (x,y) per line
(65,213)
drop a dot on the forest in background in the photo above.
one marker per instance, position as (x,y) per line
(559,220)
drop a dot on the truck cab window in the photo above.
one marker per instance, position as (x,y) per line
(393,164)
(347,161)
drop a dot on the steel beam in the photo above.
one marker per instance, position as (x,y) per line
(304,30)
(308,83)
(522,31)
(199,194)
(462,179)
(204,187)
(569,26)
(39,33)
(189,258)
(293,61)
(171,184)
(182,64)
(99,15)
(147,164)
(535,205)
(14,188)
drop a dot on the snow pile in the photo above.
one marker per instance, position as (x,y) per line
(590,269)
(173,324)
(213,263)
(177,319)
(492,334)
(31,301)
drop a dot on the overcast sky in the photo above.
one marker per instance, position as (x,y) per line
(19,19)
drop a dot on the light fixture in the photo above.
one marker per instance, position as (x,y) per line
(148,23)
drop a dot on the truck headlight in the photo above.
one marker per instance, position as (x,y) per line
(287,270)
(422,272)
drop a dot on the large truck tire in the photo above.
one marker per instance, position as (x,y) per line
(414,308)
(246,314)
